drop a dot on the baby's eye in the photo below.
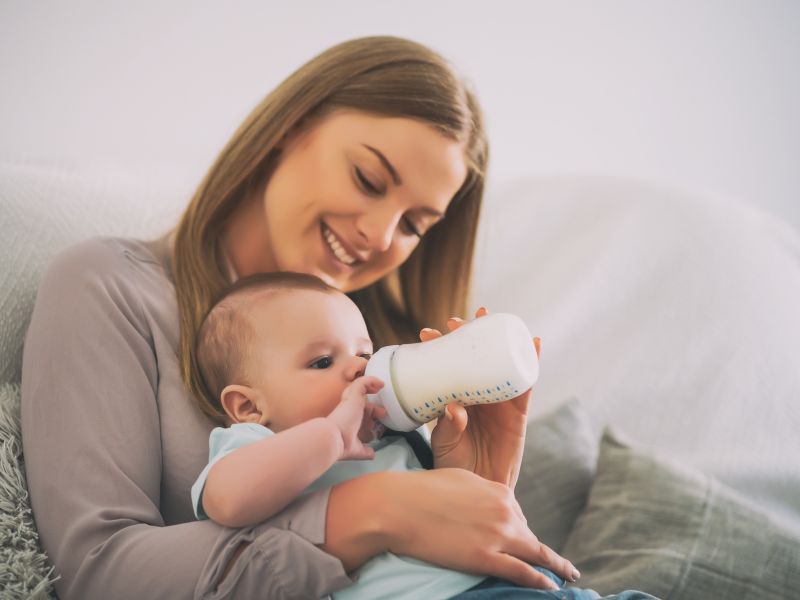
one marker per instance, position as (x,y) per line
(322,363)
(366,355)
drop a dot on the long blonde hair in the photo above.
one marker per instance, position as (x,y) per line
(385,76)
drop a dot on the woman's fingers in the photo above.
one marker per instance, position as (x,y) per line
(427,334)
(531,550)
(453,323)
(513,569)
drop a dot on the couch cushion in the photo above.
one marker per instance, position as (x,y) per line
(557,471)
(654,524)
(48,207)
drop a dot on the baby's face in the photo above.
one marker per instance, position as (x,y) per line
(309,346)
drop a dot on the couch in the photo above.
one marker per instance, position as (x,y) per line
(665,421)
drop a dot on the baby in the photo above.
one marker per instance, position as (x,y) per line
(283,356)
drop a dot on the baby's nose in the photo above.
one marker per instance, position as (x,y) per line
(357,368)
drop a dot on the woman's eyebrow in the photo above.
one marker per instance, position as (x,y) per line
(386,163)
(396,178)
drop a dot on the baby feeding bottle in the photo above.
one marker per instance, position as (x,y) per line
(489,359)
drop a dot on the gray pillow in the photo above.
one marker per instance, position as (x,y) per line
(665,529)
(557,471)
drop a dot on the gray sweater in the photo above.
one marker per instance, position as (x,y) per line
(113,441)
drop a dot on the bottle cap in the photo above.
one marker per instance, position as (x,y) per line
(380,366)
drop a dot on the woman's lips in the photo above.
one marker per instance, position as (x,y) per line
(340,266)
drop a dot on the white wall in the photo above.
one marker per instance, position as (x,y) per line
(701,94)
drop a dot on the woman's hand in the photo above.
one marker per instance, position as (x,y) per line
(487,439)
(449,517)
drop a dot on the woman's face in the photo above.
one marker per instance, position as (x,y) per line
(351,193)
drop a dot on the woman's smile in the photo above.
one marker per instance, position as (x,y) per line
(362,235)
(341,250)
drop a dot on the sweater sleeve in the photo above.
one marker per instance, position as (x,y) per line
(92,447)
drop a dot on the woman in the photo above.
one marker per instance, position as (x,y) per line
(366,168)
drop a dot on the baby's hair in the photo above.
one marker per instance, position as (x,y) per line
(226,332)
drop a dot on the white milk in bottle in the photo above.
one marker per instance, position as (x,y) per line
(488,359)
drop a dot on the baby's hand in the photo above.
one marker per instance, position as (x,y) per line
(355,418)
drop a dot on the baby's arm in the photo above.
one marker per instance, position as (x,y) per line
(257,481)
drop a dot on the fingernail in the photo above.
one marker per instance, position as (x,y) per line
(447,413)
(575,575)
(427,329)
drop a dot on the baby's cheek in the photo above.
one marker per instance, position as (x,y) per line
(321,406)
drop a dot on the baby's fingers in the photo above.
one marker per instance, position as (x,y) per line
(373,411)
(370,427)
(362,452)
(366,384)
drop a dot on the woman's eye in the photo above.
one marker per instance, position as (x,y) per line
(366,184)
(373,190)
(410,226)
(322,363)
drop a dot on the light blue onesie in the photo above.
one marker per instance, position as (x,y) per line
(386,575)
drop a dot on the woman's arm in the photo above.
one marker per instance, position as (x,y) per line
(91,425)
(449,517)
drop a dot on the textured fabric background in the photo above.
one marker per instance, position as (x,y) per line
(45,208)
(23,568)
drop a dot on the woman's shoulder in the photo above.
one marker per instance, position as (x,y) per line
(106,256)
(124,272)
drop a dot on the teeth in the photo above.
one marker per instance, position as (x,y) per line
(337,247)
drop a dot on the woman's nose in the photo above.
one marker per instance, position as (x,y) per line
(376,228)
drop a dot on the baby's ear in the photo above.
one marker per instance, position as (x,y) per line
(243,404)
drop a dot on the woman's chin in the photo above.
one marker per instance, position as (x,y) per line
(332,279)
